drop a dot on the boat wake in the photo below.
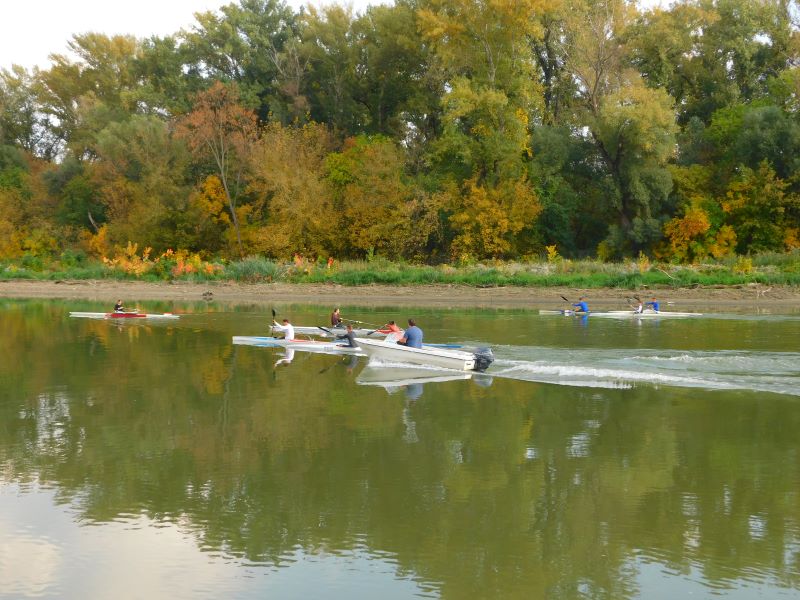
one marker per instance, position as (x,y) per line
(775,372)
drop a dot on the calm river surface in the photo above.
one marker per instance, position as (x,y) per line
(598,458)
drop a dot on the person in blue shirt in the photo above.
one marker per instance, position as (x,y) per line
(652,304)
(581,306)
(412,337)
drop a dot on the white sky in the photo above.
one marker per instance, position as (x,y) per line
(30,30)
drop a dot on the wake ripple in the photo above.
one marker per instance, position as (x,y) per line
(775,372)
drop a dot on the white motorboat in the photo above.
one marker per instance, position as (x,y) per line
(326,347)
(447,358)
(123,315)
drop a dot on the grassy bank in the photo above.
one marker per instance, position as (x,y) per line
(773,269)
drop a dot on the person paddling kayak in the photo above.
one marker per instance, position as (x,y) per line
(349,336)
(286,328)
(581,306)
(336,318)
(412,336)
(118,307)
(653,303)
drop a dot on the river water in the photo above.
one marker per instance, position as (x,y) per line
(597,458)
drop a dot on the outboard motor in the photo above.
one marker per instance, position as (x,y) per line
(483,358)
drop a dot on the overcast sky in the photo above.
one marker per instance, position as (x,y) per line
(30,30)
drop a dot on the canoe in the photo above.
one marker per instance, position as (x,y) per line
(123,315)
(326,347)
(447,358)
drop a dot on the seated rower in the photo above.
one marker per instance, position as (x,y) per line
(653,303)
(336,318)
(286,328)
(118,307)
(581,306)
(412,336)
(349,336)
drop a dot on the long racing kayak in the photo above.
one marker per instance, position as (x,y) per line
(123,315)
(326,347)
(327,332)
(646,314)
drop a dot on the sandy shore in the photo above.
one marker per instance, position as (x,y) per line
(756,296)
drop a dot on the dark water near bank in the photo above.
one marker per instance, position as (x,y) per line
(596,459)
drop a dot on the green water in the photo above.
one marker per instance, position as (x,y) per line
(596,459)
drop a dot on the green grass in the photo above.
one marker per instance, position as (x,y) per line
(768,269)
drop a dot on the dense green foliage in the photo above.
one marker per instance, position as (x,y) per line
(430,131)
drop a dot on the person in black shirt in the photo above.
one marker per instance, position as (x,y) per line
(118,306)
(336,319)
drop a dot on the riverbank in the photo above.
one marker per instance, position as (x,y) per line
(743,296)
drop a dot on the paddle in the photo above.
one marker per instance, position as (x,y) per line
(568,310)
(326,330)
(363,323)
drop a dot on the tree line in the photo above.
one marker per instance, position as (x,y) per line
(429,131)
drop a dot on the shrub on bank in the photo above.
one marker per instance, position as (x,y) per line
(770,269)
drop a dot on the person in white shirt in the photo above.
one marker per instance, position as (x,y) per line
(286,328)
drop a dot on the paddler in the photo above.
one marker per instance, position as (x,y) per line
(581,306)
(412,336)
(349,336)
(118,308)
(286,328)
(336,318)
(653,303)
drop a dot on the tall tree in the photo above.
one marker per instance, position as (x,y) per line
(220,128)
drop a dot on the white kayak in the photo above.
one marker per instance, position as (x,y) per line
(327,347)
(447,358)
(567,312)
(645,314)
(123,315)
(328,332)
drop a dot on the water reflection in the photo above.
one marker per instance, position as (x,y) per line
(487,489)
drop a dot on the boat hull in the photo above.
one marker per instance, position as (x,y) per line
(647,314)
(302,345)
(131,315)
(328,332)
(433,357)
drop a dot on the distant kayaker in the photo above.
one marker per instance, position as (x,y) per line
(412,336)
(581,306)
(118,306)
(653,303)
(286,328)
(639,308)
(349,336)
(336,318)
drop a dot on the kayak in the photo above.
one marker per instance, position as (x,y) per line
(330,331)
(326,347)
(646,314)
(123,315)
(448,358)
(621,314)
